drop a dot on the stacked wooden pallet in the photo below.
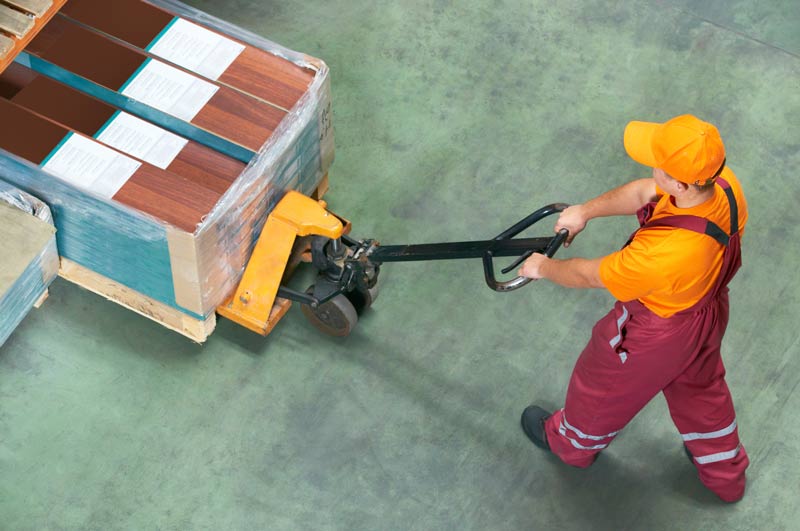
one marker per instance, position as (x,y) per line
(29,262)
(161,137)
(19,22)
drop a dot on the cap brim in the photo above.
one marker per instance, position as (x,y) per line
(638,140)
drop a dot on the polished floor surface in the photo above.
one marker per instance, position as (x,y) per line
(453,120)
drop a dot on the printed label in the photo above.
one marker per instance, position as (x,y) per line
(90,165)
(169,90)
(195,48)
(142,140)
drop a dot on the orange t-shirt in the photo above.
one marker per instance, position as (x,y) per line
(670,269)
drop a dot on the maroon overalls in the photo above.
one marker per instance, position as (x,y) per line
(633,354)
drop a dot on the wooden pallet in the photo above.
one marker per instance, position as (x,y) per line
(197,330)
(11,45)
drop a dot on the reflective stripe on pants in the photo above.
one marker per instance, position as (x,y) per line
(679,356)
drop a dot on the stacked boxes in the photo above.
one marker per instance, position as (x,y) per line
(29,261)
(160,177)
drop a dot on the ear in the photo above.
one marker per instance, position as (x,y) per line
(680,186)
(675,187)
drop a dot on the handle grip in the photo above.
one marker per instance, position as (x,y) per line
(549,251)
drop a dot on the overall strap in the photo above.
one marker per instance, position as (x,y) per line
(694,224)
(734,208)
(702,225)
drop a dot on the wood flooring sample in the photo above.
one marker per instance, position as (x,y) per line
(14,22)
(34,7)
(90,166)
(133,136)
(218,109)
(196,48)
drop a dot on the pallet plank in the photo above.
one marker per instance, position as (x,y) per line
(195,329)
(6,45)
(34,7)
(14,22)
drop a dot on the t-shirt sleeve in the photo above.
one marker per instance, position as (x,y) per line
(633,272)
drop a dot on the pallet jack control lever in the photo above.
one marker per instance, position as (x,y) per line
(348,269)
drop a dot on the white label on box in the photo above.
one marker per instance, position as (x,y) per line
(142,140)
(90,165)
(195,48)
(169,90)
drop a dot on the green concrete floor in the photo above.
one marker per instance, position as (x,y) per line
(453,120)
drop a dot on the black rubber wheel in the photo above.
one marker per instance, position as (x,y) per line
(363,299)
(337,317)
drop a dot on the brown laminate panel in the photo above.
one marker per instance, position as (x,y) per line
(150,202)
(232,115)
(152,190)
(85,53)
(229,113)
(130,20)
(14,77)
(200,164)
(64,105)
(279,86)
(207,167)
(26,135)
(177,190)
(255,71)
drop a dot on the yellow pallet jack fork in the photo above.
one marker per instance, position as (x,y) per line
(253,303)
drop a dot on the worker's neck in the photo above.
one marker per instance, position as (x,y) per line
(693,197)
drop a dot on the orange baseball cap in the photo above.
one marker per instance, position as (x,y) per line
(687,148)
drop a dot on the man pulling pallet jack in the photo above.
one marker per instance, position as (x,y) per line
(663,334)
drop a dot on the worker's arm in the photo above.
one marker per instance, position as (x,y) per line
(570,273)
(623,200)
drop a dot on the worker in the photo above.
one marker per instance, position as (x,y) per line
(665,330)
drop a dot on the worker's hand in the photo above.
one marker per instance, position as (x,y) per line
(532,267)
(572,218)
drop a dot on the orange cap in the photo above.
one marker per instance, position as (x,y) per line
(687,148)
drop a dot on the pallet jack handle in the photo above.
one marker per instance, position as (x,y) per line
(552,247)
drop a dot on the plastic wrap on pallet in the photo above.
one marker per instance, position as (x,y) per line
(104,236)
(25,202)
(20,295)
(296,157)
(293,159)
(248,37)
(193,272)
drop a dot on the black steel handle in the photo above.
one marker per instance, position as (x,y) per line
(556,242)
(552,247)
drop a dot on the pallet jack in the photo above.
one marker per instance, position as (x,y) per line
(346,283)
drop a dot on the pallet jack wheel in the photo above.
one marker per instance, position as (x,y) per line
(337,317)
(363,299)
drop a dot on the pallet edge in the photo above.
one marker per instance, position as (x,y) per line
(197,330)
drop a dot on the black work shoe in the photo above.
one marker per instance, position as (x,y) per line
(532,421)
